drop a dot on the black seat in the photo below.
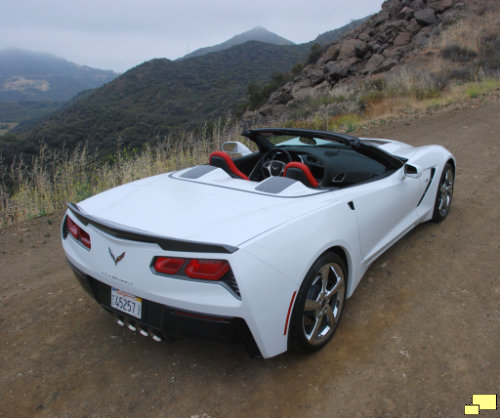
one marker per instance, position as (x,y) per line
(300,172)
(223,160)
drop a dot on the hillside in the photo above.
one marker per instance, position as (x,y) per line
(258,33)
(156,98)
(159,97)
(38,76)
(399,41)
(33,84)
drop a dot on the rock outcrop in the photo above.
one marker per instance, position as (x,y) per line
(379,44)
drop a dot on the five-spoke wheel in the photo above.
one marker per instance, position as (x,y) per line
(320,302)
(444,194)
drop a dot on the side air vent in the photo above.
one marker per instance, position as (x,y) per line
(231,282)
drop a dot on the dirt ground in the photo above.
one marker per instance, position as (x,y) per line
(419,337)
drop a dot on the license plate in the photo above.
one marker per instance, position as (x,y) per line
(126,302)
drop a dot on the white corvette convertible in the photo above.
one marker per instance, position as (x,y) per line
(263,248)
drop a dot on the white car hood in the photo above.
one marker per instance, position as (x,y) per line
(214,208)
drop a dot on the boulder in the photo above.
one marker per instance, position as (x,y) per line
(331,54)
(404,38)
(441,6)
(336,70)
(426,17)
(365,36)
(393,7)
(373,63)
(362,50)
(413,27)
(417,5)
(315,76)
(423,37)
(280,97)
(396,53)
(380,18)
(387,64)
(406,13)
(377,46)
(351,47)
(269,110)
(394,26)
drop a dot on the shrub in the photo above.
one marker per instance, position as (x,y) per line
(462,75)
(458,54)
(315,53)
(490,54)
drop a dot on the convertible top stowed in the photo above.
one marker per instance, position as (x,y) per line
(262,244)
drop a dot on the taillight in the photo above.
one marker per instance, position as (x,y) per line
(78,233)
(207,269)
(72,227)
(85,238)
(195,268)
(168,265)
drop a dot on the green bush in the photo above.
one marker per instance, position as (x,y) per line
(315,53)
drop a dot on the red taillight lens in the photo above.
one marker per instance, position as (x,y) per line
(85,238)
(78,233)
(168,265)
(72,227)
(207,269)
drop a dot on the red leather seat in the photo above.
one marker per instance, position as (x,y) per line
(300,172)
(223,160)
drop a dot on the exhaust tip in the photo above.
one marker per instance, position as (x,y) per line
(143,332)
(156,338)
(131,327)
(120,322)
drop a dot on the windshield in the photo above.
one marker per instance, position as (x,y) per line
(299,141)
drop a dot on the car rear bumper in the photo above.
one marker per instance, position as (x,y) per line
(169,322)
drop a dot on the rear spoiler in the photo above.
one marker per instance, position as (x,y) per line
(131,234)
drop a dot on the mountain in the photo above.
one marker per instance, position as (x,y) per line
(258,33)
(157,98)
(161,97)
(38,76)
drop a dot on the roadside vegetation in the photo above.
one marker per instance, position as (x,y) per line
(459,67)
(53,178)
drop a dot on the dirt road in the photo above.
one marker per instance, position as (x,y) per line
(419,337)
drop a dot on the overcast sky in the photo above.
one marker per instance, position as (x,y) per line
(120,34)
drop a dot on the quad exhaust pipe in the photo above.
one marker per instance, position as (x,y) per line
(143,331)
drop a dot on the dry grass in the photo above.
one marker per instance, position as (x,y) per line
(55,178)
(433,81)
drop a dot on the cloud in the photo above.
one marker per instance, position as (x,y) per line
(123,33)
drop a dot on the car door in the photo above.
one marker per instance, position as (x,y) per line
(385,210)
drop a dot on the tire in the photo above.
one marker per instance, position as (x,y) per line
(444,194)
(320,303)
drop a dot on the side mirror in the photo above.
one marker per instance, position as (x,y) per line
(235,149)
(413,171)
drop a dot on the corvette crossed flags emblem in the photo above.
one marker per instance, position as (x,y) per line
(116,259)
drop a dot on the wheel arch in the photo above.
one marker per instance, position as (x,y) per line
(453,164)
(343,254)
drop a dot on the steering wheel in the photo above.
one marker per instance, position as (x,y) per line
(270,166)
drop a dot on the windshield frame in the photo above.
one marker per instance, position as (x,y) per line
(258,136)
